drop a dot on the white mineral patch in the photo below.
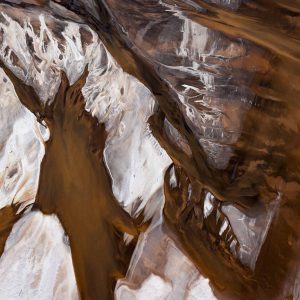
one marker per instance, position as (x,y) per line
(154,288)
(251,232)
(168,274)
(37,263)
(21,150)
(134,158)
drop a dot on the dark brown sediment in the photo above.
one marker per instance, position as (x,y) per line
(199,238)
(8,217)
(266,155)
(265,165)
(75,185)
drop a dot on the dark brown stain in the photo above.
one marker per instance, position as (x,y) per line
(75,185)
(8,217)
